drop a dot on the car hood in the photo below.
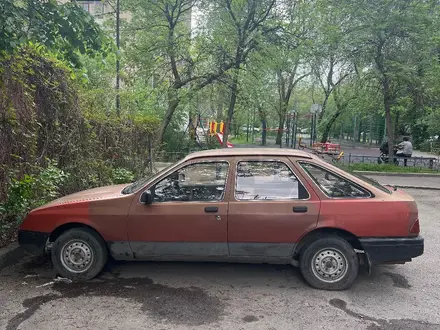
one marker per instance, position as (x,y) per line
(89,195)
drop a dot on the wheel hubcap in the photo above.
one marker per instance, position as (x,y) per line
(76,256)
(329,265)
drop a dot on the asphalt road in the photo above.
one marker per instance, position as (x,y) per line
(227,296)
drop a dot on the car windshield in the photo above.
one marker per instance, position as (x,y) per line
(135,186)
(371,181)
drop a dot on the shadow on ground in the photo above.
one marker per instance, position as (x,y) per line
(186,293)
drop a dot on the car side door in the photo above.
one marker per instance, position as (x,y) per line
(270,208)
(187,215)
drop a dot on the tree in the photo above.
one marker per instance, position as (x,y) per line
(245,26)
(160,46)
(394,37)
(331,56)
(66,28)
(286,81)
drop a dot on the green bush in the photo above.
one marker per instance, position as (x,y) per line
(86,174)
(122,175)
(386,168)
(32,191)
(27,193)
(425,146)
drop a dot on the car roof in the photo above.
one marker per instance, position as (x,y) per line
(250,152)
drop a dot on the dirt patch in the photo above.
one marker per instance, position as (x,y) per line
(32,305)
(190,306)
(399,281)
(250,318)
(382,324)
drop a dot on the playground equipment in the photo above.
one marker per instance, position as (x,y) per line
(220,140)
(327,148)
(217,129)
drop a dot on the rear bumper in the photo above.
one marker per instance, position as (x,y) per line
(33,242)
(391,249)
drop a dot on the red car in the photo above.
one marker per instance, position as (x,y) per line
(238,205)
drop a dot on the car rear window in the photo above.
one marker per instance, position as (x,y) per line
(332,184)
(374,183)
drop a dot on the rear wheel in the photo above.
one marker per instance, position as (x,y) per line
(79,254)
(329,264)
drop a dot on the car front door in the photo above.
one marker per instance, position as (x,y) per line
(187,216)
(270,208)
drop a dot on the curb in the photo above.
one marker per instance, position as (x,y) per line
(426,175)
(10,254)
(416,187)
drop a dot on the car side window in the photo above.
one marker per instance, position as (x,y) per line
(267,180)
(334,185)
(199,182)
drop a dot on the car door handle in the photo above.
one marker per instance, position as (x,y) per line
(211,209)
(300,209)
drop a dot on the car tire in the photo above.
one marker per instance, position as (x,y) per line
(79,254)
(329,264)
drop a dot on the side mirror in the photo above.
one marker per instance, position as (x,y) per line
(147,198)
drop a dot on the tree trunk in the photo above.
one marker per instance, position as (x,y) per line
(280,129)
(264,132)
(233,100)
(220,104)
(324,106)
(329,125)
(173,102)
(388,118)
(340,107)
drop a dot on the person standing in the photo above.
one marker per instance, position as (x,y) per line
(405,150)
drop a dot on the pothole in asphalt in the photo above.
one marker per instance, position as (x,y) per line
(382,324)
(190,306)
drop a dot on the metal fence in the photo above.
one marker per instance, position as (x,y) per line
(431,163)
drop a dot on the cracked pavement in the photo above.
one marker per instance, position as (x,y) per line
(161,295)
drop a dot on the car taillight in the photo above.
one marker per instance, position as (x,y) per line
(415,228)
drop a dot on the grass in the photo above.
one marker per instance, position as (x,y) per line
(387,168)
(240,139)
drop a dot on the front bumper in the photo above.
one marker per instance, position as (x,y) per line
(33,242)
(391,249)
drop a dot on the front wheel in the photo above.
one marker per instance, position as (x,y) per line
(79,254)
(329,264)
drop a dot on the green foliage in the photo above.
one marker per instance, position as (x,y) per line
(29,192)
(122,175)
(239,139)
(245,62)
(65,28)
(47,114)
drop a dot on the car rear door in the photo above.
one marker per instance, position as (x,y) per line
(188,216)
(271,207)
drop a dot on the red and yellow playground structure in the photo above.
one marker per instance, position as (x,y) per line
(216,129)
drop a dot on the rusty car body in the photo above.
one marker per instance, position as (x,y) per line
(238,205)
